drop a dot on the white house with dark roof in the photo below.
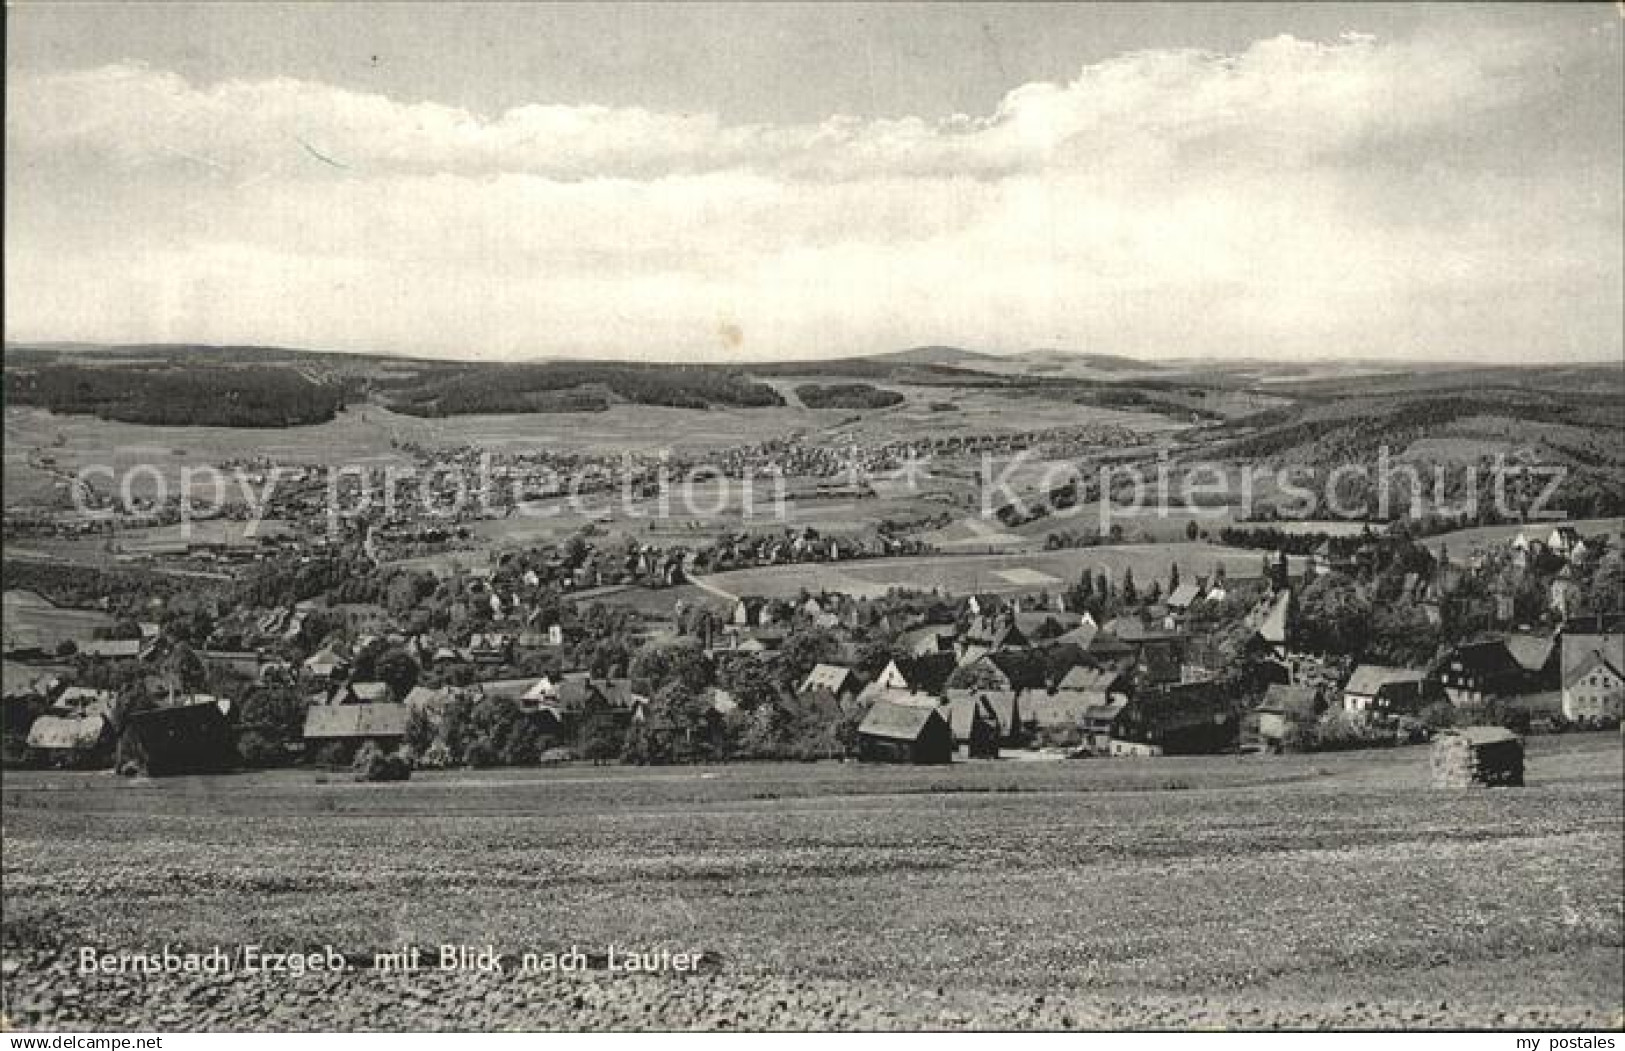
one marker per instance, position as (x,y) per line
(838,680)
(1379,689)
(1593,677)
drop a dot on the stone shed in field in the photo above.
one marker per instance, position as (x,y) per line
(1478,756)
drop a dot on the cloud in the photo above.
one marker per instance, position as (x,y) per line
(1358,196)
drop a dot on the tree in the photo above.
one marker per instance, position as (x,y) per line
(607,657)
(457,725)
(1191,530)
(683,663)
(599,739)
(420,731)
(1332,616)
(1129,592)
(1399,633)
(1173,576)
(977,676)
(185,668)
(752,682)
(804,649)
(1606,594)
(397,669)
(275,710)
(524,744)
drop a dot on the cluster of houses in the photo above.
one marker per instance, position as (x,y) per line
(1010,675)
(970,676)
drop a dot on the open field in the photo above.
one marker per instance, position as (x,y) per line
(976,411)
(1332,890)
(962,574)
(360,435)
(144,541)
(33,620)
(42,449)
(1464,540)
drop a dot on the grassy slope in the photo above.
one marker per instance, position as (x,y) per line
(1301,885)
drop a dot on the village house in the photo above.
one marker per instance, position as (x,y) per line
(1009,670)
(1045,623)
(1376,689)
(928,639)
(113,649)
(989,634)
(489,647)
(1061,711)
(1083,635)
(428,700)
(359,693)
(984,605)
(250,664)
(840,682)
(1474,673)
(1274,626)
(325,663)
(905,733)
(1539,656)
(1563,541)
(188,737)
(910,679)
(550,637)
(1174,719)
(1082,688)
(1565,597)
(1285,711)
(1099,723)
(1593,677)
(353,725)
(75,729)
(1004,705)
(1181,599)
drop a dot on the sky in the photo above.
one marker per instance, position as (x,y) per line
(749,182)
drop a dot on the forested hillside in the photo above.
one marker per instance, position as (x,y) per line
(193,396)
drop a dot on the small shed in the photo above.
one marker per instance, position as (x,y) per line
(905,733)
(1478,756)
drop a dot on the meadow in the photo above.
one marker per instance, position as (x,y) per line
(1463,541)
(962,574)
(33,620)
(1242,892)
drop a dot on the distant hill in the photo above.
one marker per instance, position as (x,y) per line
(1097,362)
(957,357)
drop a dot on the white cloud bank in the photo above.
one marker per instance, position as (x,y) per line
(1427,198)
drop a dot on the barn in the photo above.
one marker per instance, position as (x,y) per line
(179,739)
(905,733)
(1488,756)
(355,724)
